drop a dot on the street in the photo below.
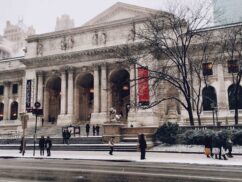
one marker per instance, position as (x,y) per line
(24,170)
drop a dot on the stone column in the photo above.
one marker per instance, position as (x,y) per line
(70,91)
(221,93)
(20,96)
(63,92)
(46,104)
(40,87)
(6,100)
(96,89)
(132,87)
(104,88)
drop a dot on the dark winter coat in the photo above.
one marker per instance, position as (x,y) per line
(48,144)
(42,143)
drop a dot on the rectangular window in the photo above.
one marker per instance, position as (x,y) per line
(1,89)
(15,89)
(207,69)
(233,66)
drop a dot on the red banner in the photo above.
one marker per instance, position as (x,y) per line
(143,85)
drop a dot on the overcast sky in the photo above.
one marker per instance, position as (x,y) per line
(42,14)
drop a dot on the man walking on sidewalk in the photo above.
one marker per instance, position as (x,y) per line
(111,145)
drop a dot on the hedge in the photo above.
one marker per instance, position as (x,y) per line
(170,133)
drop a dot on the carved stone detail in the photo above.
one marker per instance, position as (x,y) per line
(39,48)
(67,43)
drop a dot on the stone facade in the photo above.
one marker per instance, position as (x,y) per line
(77,80)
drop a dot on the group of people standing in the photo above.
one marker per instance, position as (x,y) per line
(218,147)
(66,135)
(95,129)
(45,144)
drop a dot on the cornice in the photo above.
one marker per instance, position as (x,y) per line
(87,28)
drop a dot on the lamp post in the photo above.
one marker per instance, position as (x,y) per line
(37,112)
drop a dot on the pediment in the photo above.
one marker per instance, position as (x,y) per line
(121,11)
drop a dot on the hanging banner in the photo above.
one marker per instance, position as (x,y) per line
(143,86)
(28,95)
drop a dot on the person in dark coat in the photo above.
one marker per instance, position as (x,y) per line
(229,146)
(142,146)
(22,146)
(48,145)
(97,129)
(68,136)
(42,145)
(93,130)
(64,136)
(87,129)
(208,146)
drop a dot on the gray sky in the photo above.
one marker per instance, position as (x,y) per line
(42,14)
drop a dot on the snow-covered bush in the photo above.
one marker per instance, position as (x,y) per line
(167,133)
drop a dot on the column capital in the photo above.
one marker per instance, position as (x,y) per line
(55,73)
(70,69)
(96,66)
(19,81)
(104,65)
(6,83)
(40,73)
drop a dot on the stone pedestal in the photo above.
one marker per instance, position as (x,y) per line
(64,119)
(112,130)
(99,118)
(143,117)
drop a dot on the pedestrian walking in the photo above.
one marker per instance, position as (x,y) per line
(48,145)
(229,146)
(111,145)
(68,136)
(65,136)
(42,145)
(142,146)
(208,146)
(42,122)
(87,129)
(93,130)
(22,147)
(97,129)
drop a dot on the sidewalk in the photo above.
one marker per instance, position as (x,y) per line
(127,156)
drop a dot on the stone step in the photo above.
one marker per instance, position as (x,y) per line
(72,140)
(76,147)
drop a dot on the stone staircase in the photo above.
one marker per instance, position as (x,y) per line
(76,143)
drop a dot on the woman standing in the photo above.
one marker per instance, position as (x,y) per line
(142,146)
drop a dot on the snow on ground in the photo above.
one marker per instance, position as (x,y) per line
(128,156)
(188,148)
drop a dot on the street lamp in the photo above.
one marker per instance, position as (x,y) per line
(37,112)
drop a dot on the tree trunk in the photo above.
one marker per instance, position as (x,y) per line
(190,113)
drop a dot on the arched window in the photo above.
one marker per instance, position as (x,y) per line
(209,98)
(14,111)
(231,96)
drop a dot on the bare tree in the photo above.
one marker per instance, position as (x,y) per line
(232,50)
(165,46)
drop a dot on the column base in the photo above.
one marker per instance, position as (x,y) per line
(99,118)
(142,118)
(64,119)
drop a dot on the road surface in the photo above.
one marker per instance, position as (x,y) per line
(41,170)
